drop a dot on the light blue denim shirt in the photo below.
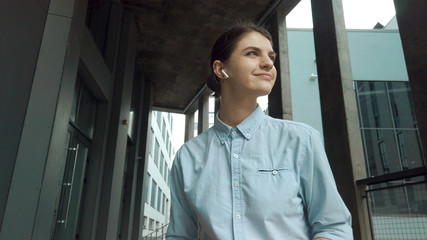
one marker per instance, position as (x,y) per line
(265,179)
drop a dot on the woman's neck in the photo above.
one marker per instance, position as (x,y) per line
(233,111)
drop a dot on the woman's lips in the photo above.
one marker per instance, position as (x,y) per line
(264,75)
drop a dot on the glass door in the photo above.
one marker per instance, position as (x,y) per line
(72,186)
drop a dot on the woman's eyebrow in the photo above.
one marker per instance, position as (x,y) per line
(251,48)
(257,49)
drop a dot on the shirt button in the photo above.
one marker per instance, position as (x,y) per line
(238,216)
(236,184)
(274,172)
(235,155)
(234,133)
(249,135)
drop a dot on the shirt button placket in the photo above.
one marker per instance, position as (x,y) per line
(236,170)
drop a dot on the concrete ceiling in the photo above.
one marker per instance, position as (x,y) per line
(174,42)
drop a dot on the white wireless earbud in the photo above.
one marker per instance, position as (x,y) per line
(225,74)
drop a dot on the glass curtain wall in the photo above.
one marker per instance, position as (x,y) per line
(391,142)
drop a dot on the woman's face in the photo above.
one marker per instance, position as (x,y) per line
(250,67)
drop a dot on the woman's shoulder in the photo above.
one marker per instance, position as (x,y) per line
(289,125)
(197,143)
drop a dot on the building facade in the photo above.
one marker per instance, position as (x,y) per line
(157,193)
(390,135)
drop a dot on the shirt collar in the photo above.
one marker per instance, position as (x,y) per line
(247,127)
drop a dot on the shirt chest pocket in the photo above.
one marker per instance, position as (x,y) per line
(276,182)
(272,171)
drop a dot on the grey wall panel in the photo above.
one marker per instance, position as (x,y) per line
(21,25)
(19,216)
(53,175)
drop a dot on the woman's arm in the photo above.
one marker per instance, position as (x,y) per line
(183,224)
(326,211)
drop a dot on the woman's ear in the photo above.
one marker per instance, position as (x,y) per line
(218,68)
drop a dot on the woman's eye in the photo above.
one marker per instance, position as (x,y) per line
(251,54)
(273,58)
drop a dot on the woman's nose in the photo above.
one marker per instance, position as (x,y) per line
(266,62)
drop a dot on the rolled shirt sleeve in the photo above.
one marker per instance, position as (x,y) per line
(326,211)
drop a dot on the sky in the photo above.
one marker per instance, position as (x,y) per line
(358,14)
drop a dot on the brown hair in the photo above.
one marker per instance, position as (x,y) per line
(224,47)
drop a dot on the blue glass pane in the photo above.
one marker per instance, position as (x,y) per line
(374,106)
(401,104)
(382,156)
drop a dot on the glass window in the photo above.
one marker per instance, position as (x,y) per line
(410,148)
(147,182)
(389,128)
(86,112)
(373,105)
(162,159)
(163,204)
(151,226)
(75,100)
(167,176)
(159,119)
(401,104)
(156,153)
(164,129)
(167,142)
(83,110)
(164,171)
(153,194)
(159,199)
(151,142)
(381,153)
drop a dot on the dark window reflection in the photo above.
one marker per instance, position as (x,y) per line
(389,128)
(401,104)
(83,110)
(373,105)
(382,154)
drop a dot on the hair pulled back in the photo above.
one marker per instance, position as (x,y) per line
(224,47)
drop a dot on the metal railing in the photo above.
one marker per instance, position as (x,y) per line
(157,234)
(397,205)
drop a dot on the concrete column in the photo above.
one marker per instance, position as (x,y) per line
(339,111)
(279,100)
(142,161)
(411,17)
(117,142)
(189,126)
(203,117)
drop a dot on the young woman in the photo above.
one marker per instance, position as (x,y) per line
(252,176)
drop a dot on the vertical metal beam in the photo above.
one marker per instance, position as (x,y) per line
(142,161)
(203,118)
(117,142)
(189,126)
(411,18)
(279,100)
(339,112)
